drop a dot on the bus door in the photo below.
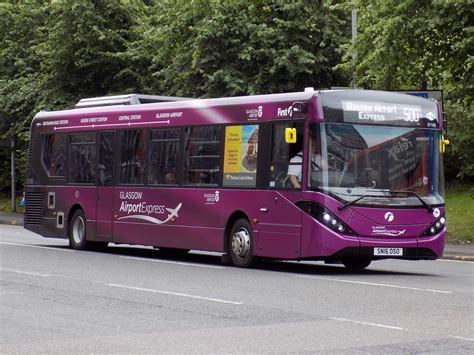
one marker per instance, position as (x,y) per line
(279,227)
(105,189)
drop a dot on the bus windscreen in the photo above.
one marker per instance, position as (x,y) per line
(373,160)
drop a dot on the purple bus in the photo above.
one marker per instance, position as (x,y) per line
(345,176)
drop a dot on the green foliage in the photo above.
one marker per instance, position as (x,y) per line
(6,203)
(407,44)
(460,154)
(19,77)
(87,55)
(228,48)
(55,52)
(460,213)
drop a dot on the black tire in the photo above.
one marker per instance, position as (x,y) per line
(241,244)
(356,263)
(78,231)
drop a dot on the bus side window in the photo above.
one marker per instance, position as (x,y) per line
(106,158)
(163,157)
(203,147)
(82,155)
(282,153)
(53,147)
(132,157)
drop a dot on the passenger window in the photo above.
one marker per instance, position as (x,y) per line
(106,158)
(203,148)
(82,155)
(164,157)
(53,154)
(132,157)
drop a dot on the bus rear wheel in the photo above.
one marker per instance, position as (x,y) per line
(78,231)
(241,244)
(356,263)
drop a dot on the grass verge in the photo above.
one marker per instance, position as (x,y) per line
(6,203)
(460,213)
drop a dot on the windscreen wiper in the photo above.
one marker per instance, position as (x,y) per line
(407,192)
(340,208)
(413,193)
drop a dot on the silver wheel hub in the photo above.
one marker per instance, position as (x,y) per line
(78,229)
(241,243)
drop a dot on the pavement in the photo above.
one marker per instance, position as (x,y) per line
(453,251)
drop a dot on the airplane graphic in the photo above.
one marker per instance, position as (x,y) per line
(172,213)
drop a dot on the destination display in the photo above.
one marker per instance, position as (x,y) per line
(382,108)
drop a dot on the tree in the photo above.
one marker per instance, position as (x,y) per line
(412,43)
(53,53)
(20,76)
(227,48)
(81,54)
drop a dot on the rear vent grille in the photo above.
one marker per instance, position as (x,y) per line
(34,208)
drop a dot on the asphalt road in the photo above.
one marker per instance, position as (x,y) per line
(134,300)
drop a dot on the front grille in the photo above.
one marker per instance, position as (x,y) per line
(34,208)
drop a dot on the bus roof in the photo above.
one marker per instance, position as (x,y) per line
(340,104)
(130,99)
(182,103)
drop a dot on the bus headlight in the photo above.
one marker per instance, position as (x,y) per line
(333,222)
(326,217)
(436,227)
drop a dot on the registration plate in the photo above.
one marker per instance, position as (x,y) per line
(388,251)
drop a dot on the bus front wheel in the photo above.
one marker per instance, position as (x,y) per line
(241,244)
(356,263)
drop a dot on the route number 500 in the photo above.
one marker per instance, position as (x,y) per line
(411,114)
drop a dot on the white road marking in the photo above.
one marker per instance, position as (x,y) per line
(375,284)
(24,272)
(368,323)
(392,327)
(174,294)
(455,261)
(59,248)
(174,262)
(462,338)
